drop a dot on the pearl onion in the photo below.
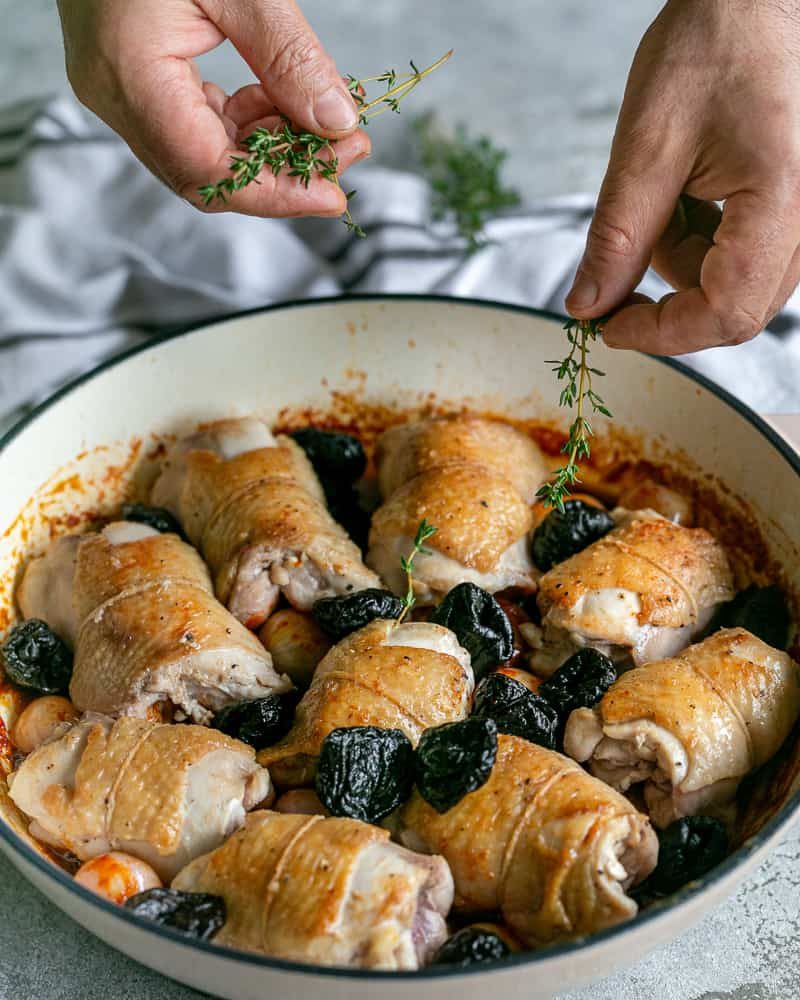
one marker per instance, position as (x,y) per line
(530,681)
(117,876)
(301,800)
(40,719)
(296,644)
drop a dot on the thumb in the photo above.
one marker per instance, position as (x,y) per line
(295,71)
(635,204)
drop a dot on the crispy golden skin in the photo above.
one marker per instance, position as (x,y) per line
(692,726)
(362,682)
(477,513)
(408,449)
(551,847)
(151,630)
(331,891)
(126,784)
(675,571)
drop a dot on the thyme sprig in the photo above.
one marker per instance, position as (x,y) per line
(578,392)
(424,532)
(465,174)
(305,155)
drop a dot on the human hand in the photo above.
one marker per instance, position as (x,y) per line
(711,113)
(132,64)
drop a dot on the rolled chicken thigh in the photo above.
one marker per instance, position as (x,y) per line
(691,727)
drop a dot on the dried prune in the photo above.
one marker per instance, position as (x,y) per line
(580,682)
(563,533)
(687,850)
(339,616)
(762,611)
(198,914)
(455,759)
(471,946)
(344,504)
(34,657)
(261,722)
(154,517)
(480,625)
(335,456)
(364,772)
(516,710)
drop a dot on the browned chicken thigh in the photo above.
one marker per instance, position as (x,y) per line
(253,506)
(641,592)
(330,891)
(162,793)
(409,677)
(139,608)
(408,449)
(690,728)
(549,846)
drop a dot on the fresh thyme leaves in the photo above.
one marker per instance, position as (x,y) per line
(466,177)
(305,155)
(424,532)
(578,391)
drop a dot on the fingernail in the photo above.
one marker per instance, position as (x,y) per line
(335,111)
(584,292)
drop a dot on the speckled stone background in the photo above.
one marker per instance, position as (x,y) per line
(544,77)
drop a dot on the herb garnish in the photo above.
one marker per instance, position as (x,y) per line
(577,373)
(305,154)
(465,176)
(424,532)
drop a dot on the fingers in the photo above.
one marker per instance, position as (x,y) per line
(289,60)
(184,138)
(741,278)
(679,254)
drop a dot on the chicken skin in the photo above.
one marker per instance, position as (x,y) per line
(139,608)
(162,793)
(254,507)
(549,846)
(482,525)
(329,891)
(408,677)
(408,449)
(640,593)
(690,728)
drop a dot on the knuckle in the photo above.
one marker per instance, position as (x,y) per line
(610,239)
(737,325)
(296,60)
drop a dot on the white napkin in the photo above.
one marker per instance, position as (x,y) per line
(95,255)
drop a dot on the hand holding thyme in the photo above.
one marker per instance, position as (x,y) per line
(579,392)
(424,532)
(305,155)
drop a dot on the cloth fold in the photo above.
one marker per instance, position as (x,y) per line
(96,255)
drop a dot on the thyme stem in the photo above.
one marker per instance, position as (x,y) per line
(424,532)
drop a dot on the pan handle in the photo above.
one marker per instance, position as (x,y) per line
(787,425)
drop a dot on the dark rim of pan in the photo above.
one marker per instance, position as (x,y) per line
(654,912)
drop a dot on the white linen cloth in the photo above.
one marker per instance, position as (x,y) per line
(96,255)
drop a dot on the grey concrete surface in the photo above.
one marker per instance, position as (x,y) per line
(544,78)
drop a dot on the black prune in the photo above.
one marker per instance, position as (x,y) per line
(516,710)
(471,946)
(687,850)
(580,682)
(198,914)
(339,616)
(562,534)
(335,456)
(34,657)
(762,611)
(454,759)
(480,625)
(261,723)
(154,517)
(364,772)
(344,504)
